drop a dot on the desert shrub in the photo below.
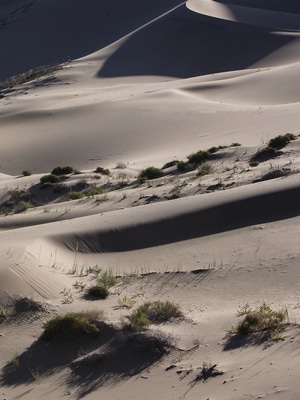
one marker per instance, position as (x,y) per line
(23,206)
(59,171)
(68,326)
(74,196)
(4,314)
(154,313)
(107,279)
(103,171)
(28,76)
(138,320)
(150,173)
(262,319)
(98,291)
(205,169)
(170,164)
(281,140)
(49,179)
(93,191)
(26,172)
(199,157)
(181,166)
(253,164)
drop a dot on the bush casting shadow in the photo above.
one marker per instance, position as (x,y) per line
(109,358)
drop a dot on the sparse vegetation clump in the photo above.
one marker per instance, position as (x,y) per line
(28,76)
(205,169)
(26,172)
(73,196)
(49,179)
(103,171)
(105,281)
(281,141)
(60,171)
(199,157)
(154,313)
(261,319)
(69,326)
(98,291)
(150,173)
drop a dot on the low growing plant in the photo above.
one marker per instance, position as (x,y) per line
(154,313)
(281,140)
(98,291)
(150,173)
(59,171)
(69,326)
(261,319)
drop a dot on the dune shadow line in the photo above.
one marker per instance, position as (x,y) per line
(224,217)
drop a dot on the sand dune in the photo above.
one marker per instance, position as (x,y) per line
(143,84)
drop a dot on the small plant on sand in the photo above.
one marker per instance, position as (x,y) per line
(261,319)
(205,169)
(150,173)
(98,291)
(73,196)
(102,171)
(154,312)
(199,157)
(107,279)
(67,296)
(4,314)
(16,360)
(29,76)
(126,302)
(26,172)
(59,171)
(208,371)
(281,140)
(49,179)
(69,326)
(93,191)
(80,285)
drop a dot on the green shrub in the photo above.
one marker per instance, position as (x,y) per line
(29,76)
(103,171)
(74,196)
(69,326)
(262,319)
(26,172)
(181,166)
(98,291)
(253,164)
(170,164)
(154,313)
(59,171)
(199,157)
(50,178)
(205,169)
(281,141)
(23,206)
(93,191)
(107,279)
(150,173)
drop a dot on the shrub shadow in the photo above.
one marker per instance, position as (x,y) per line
(233,342)
(92,362)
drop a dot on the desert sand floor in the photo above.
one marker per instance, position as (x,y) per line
(141,84)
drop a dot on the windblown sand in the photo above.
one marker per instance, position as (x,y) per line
(143,83)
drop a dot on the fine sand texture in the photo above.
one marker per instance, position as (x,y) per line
(137,153)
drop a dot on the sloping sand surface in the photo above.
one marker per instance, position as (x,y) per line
(146,84)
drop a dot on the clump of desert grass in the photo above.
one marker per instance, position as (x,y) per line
(262,319)
(155,312)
